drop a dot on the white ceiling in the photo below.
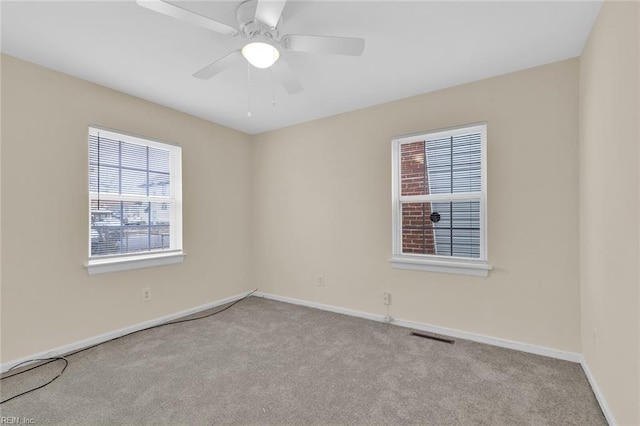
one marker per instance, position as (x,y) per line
(411,48)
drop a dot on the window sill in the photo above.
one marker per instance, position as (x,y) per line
(460,267)
(103,266)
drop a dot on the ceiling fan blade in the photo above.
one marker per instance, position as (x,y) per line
(177,12)
(268,11)
(351,46)
(219,65)
(287,77)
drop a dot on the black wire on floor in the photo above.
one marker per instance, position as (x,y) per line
(46,361)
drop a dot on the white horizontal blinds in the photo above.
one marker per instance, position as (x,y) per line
(441,195)
(457,233)
(132,204)
(128,169)
(454,164)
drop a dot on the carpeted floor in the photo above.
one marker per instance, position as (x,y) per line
(267,362)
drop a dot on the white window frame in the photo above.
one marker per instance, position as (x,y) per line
(438,263)
(128,261)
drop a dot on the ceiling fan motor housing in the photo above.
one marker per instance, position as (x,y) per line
(250,27)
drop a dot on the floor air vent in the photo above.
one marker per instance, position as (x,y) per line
(433,337)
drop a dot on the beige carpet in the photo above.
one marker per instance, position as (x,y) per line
(266,362)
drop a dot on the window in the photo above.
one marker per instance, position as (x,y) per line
(135,202)
(439,201)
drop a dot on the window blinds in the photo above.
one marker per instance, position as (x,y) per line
(441,192)
(131,198)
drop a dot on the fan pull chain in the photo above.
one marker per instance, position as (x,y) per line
(273,87)
(248,90)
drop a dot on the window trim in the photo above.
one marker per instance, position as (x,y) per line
(129,261)
(439,263)
(135,261)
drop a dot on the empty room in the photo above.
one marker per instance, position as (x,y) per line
(320,212)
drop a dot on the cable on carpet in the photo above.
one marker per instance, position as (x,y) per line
(46,361)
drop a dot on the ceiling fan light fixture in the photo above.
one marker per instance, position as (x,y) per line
(260,55)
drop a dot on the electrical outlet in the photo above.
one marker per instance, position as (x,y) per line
(146,294)
(320,281)
(386,297)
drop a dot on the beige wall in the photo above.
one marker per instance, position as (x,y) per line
(322,206)
(609,209)
(48,299)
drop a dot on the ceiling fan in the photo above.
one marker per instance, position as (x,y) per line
(258,23)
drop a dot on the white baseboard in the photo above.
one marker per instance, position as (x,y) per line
(520,346)
(503,343)
(61,350)
(495,341)
(598,393)
(509,344)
